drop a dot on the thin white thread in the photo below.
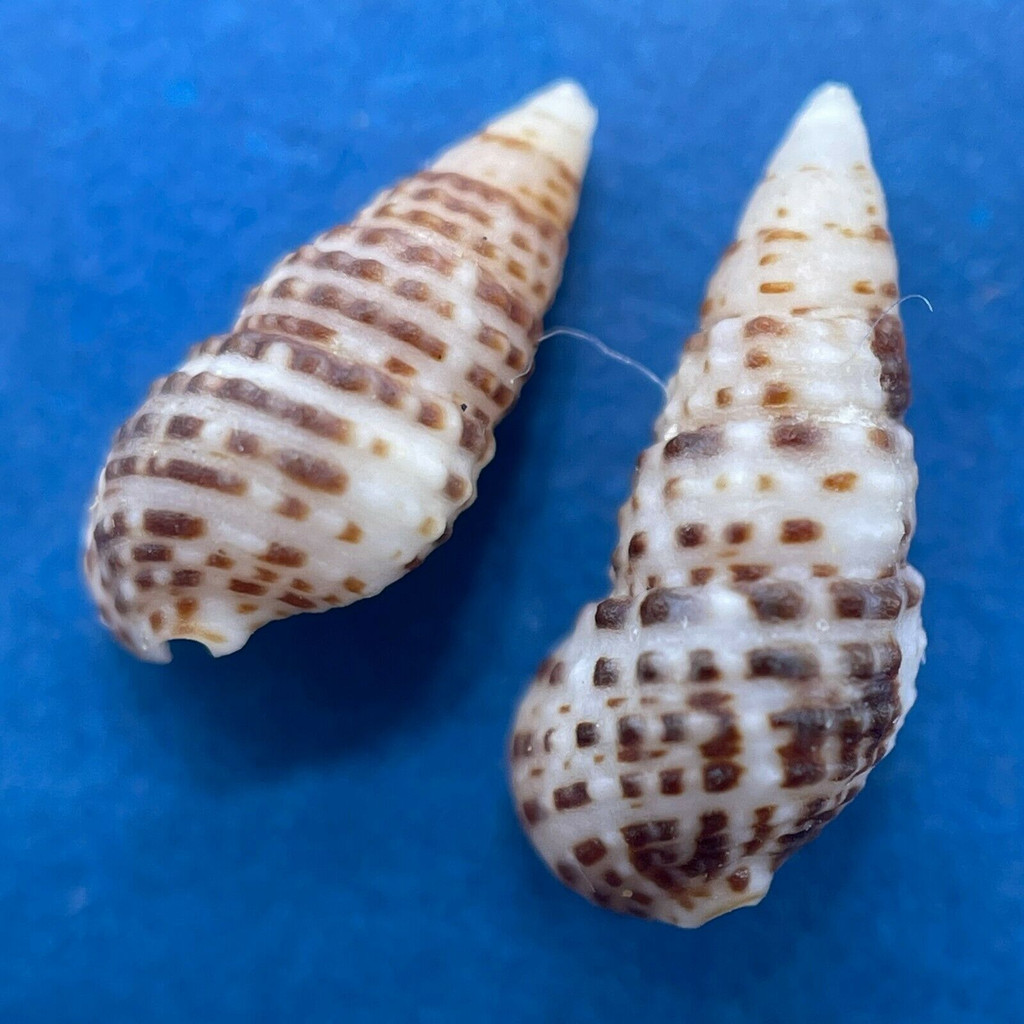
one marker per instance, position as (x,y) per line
(606,351)
(619,357)
(886,312)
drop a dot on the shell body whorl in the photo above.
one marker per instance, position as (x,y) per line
(758,651)
(324,446)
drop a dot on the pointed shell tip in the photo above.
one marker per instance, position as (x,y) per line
(566,100)
(831,99)
(827,131)
(558,120)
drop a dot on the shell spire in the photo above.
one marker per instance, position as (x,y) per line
(324,446)
(820,200)
(758,651)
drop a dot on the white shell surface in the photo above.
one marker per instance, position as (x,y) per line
(758,651)
(324,446)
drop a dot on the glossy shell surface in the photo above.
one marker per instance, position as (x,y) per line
(324,446)
(758,651)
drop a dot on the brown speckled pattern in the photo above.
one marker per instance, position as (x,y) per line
(758,651)
(324,446)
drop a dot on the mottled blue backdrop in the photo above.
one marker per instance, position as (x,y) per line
(317,829)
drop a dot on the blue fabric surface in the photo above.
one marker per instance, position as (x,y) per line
(317,828)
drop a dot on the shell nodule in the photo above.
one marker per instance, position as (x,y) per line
(759,649)
(324,446)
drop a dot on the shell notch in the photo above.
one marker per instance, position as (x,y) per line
(758,651)
(324,446)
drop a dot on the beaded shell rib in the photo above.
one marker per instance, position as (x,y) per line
(758,651)
(324,446)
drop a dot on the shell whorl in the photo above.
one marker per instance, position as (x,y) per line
(323,447)
(758,650)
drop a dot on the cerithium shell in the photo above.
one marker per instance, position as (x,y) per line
(324,447)
(758,651)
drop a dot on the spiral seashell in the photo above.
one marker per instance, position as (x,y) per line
(324,446)
(758,651)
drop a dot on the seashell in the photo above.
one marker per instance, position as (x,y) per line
(324,446)
(758,651)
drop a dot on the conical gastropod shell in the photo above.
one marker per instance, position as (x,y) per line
(758,651)
(324,446)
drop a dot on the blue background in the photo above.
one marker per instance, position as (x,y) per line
(317,828)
